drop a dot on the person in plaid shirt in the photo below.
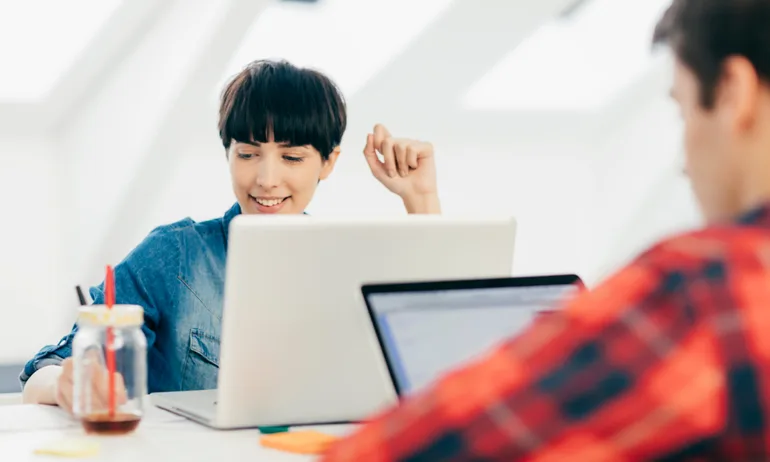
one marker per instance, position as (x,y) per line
(669,359)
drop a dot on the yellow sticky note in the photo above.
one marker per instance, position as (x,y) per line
(70,448)
(299,442)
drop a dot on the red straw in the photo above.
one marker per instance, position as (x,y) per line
(109,298)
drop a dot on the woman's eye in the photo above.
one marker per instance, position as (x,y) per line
(293,158)
(245,155)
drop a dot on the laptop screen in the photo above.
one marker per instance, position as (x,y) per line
(425,333)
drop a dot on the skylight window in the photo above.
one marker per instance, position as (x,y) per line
(574,63)
(40,41)
(349,40)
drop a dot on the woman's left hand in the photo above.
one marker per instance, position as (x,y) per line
(408,169)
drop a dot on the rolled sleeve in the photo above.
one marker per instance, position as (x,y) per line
(50,355)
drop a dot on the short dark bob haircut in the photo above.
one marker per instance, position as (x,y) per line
(293,105)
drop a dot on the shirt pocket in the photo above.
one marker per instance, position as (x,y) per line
(201,366)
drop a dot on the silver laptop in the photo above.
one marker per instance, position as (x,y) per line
(426,329)
(297,346)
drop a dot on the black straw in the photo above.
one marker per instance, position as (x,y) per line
(80,296)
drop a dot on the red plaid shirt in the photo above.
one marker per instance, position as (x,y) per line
(667,360)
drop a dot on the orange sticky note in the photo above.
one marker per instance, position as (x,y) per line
(299,442)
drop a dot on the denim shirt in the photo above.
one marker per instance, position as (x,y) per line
(177,275)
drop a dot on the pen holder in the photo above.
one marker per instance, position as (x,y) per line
(109,339)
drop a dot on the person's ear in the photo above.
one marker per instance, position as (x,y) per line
(328,165)
(738,92)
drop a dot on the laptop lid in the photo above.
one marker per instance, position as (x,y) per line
(426,329)
(297,347)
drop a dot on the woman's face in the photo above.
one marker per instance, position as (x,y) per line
(274,177)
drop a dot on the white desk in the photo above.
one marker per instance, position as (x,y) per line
(161,436)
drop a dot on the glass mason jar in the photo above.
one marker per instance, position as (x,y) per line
(109,339)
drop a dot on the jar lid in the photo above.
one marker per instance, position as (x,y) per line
(118,316)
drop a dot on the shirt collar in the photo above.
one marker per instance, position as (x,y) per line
(758,216)
(234,211)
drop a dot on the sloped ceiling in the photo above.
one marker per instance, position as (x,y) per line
(553,60)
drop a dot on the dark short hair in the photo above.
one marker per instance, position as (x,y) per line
(296,106)
(703,33)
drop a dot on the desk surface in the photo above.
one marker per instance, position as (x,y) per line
(161,436)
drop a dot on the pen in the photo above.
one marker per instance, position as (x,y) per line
(80,296)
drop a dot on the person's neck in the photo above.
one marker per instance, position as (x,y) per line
(755,186)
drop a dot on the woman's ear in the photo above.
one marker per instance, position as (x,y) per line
(328,165)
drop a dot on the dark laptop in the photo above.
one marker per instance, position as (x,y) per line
(428,328)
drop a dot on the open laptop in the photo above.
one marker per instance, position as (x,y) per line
(426,329)
(297,346)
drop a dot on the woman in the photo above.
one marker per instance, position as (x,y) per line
(281,127)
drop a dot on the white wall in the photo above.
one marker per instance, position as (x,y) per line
(643,195)
(31,292)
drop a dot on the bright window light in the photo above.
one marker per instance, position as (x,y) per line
(577,63)
(40,40)
(349,40)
